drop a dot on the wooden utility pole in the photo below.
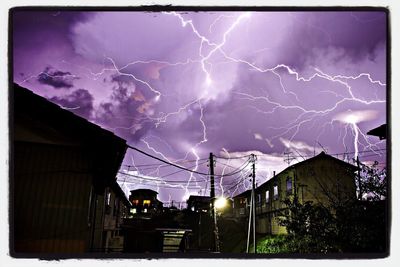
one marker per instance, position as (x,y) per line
(249,228)
(212,195)
(254,198)
(252,209)
(359,179)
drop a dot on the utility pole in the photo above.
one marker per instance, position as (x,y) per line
(249,228)
(252,209)
(254,198)
(212,195)
(359,178)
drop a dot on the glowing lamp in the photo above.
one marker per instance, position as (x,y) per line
(220,202)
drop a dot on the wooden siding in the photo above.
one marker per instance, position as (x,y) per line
(52,187)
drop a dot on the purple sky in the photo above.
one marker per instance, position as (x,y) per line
(182,85)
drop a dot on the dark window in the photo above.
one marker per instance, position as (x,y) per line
(267,196)
(289,186)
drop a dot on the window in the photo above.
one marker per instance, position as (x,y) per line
(135,201)
(267,196)
(108,198)
(146,202)
(289,186)
(242,201)
(275,192)
(133,210)
(258,198)
(145,210)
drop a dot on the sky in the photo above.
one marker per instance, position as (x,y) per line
(180,85)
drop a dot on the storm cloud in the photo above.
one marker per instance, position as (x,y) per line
(56,78)
(79,101)
(182,85)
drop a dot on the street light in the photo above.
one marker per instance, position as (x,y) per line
(220,203)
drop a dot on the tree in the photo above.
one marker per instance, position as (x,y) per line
(374,181)
(311,228)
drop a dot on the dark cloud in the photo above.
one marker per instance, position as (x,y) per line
(56,78)
(34,26)
(80,102)
(126,111)
(334,29)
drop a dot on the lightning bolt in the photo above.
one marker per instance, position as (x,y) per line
(221,181)
(206,50)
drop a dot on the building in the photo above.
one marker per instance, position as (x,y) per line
(61,169)
(380,132)
(322,179)
(144,201)
(199,203)
(117,207)
(241,203)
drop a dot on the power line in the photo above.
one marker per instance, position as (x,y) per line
(156,179)
(175,165)
(343,153)
(241,179)
(180,187)
(157,167)
(162,165)
(242,157)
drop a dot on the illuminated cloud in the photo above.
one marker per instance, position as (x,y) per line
(354,117)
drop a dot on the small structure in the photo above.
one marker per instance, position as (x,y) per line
(144,201)
(380,132)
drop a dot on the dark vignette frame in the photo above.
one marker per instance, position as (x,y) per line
(160,8)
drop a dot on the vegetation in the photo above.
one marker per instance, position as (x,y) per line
(351,226)
(273,244)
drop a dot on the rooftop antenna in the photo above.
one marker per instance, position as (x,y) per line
(323,148)
(289,158)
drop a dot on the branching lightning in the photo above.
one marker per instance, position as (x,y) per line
(206,52)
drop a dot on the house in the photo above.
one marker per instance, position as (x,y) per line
(380,132)
(321,179)
(144,201)
(199,203)
(61,169)
(117,207)
(241,203)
